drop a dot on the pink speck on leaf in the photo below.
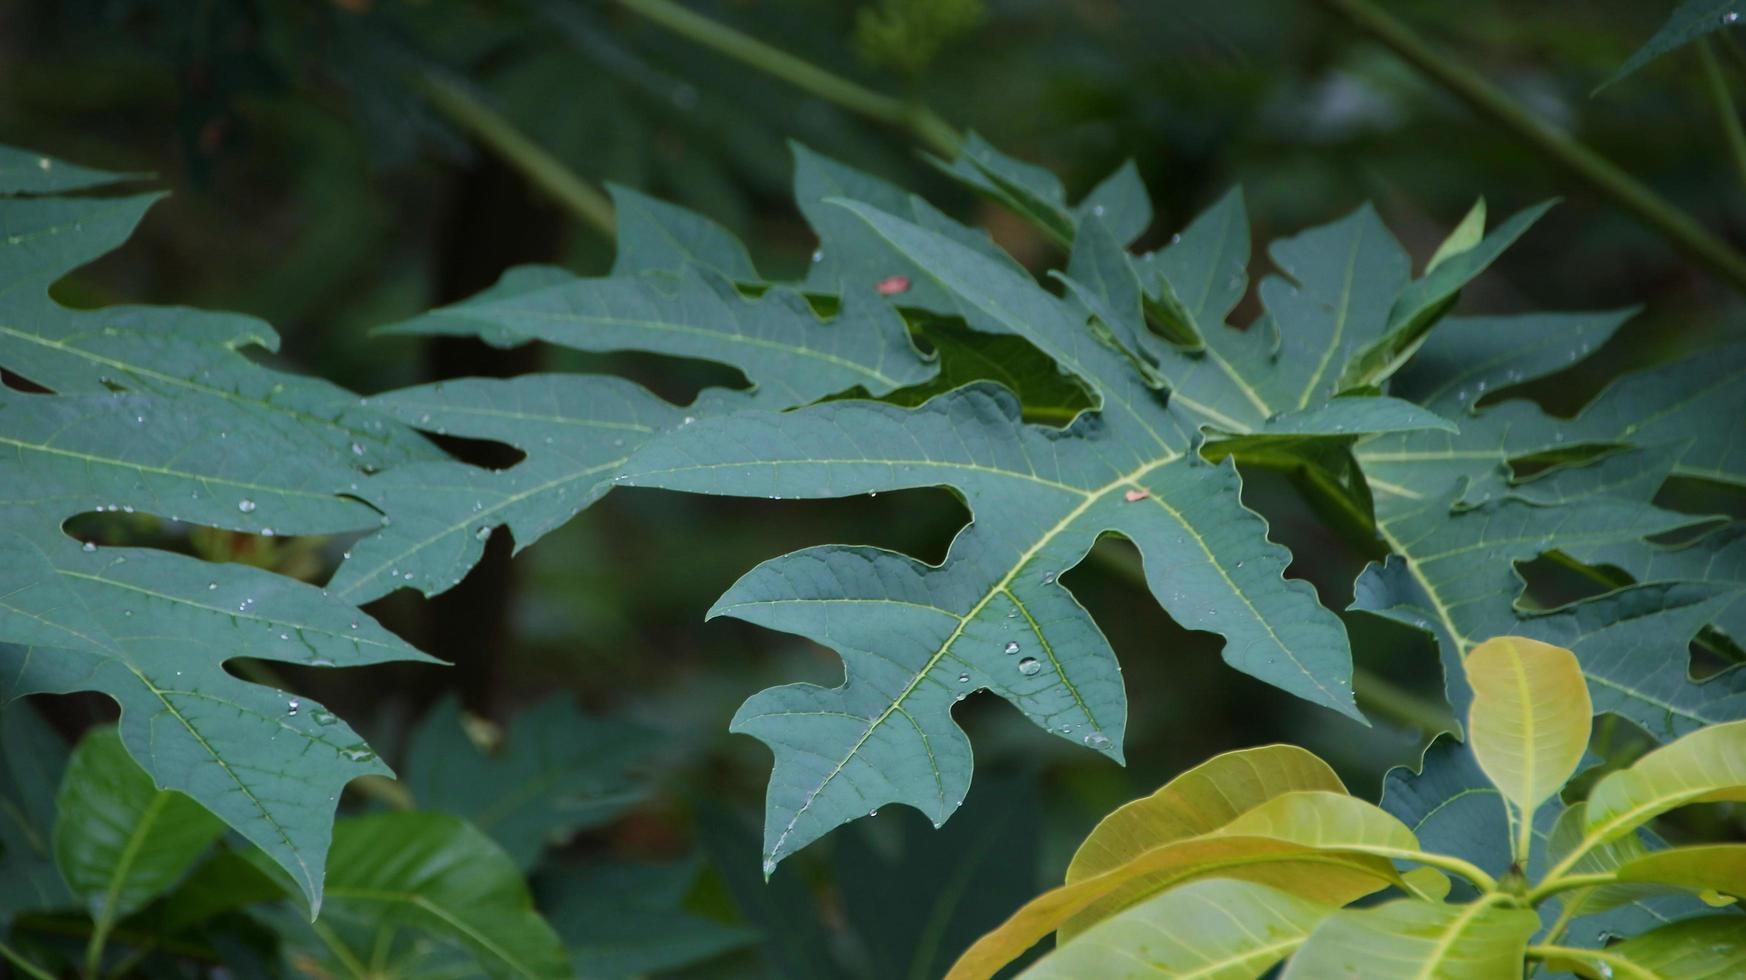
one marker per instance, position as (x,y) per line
(892,285)
(1133,495)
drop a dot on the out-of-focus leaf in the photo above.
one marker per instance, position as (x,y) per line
(32,758)
(1711,948)
(434,876)
(1689,21)
(626,920)
(556,772)
(1704,766)
(120,841)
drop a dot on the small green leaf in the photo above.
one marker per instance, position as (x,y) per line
(1412,940)
(120,841)
(1466,235)
(1216,929)
(1529,722)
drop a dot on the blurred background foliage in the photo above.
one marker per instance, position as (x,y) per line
(339,164)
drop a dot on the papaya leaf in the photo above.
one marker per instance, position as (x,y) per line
(992,616)
(1409,939)
(576,431)
(1219,929)
(556,772)
(1689,21)
(120,841)
(157,410)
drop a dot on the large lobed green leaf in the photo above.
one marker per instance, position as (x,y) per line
(159,411)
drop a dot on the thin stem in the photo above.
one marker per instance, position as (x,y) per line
(920,120)
(1727,116)
(1447,862)
(24,966)
(1565,914)
(1553,884)
(515,148)
(1488,100)
(1621,967)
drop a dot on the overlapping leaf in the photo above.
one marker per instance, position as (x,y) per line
(576,431)
(159,411)
(32,757)
(557,771)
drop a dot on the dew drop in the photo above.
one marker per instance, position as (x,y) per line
(325,718)
(357,449)
(89,546)
(769,867)
(246,505)
(1730,17)
(1048,578)
(1029,666)
(291,708)
(1012,647)
(818,255)
(266,532)
(212,586)
(1097,740)
(482,532)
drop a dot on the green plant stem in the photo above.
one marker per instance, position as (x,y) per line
(1492,102)
(24,966)
(1727,116)
(515,148)
(918,119)
(1620,966)
(1447,862)
(1555,883)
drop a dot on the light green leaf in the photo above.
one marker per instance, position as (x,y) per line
(1216,929)
(1529,722)
(1466,235)
(120,841)
(1689,21)
(1710,948)
(1331,874)
(437,877)
(557,771)
(1200,801)
(1715,867)
(1421,304)
(1705,766)
(1412,940)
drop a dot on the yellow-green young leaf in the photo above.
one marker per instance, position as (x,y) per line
(1567,835)
(1200,800)
(1312,818)
(1530,719)
(1710,948)
(1328,875)
(1217,929)
(1709,765)
(1414,940)
(1466,235)
(1427,882)
(1713,867)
